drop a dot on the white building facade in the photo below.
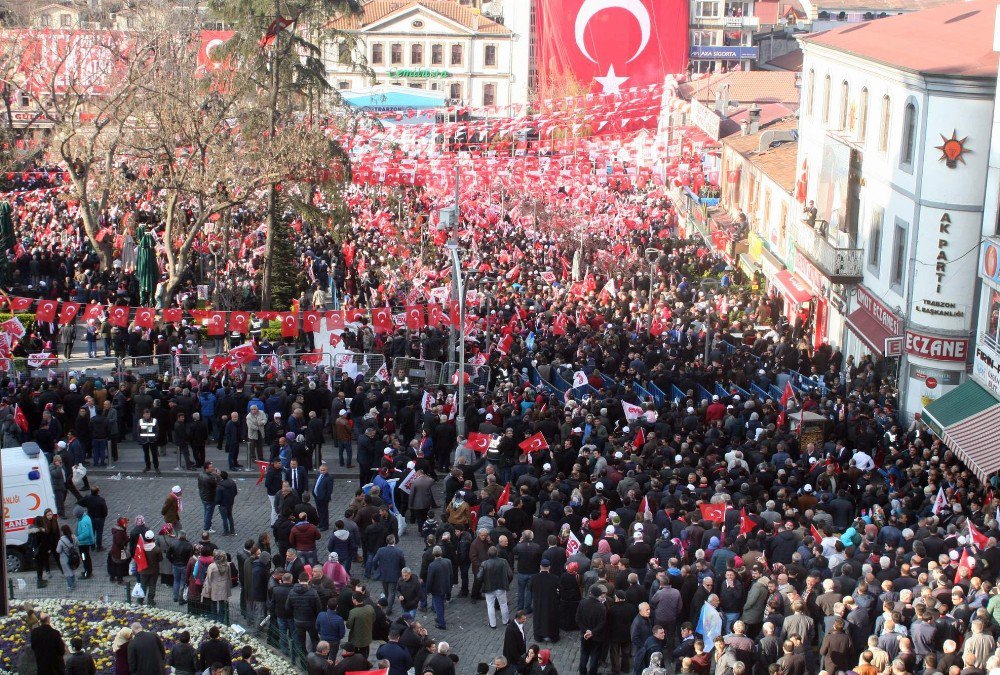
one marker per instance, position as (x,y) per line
(435,45)
(873,122)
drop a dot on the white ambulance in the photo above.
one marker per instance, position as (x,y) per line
(27,492)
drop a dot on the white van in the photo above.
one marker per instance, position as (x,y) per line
(27,492)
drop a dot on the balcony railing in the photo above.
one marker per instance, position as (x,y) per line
(840,265)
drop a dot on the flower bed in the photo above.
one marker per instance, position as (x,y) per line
(99,622)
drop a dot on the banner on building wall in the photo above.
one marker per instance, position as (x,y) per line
(609,45)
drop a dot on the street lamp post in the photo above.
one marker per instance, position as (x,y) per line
(652,255)
(456,263)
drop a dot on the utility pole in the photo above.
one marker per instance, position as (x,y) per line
(454,277)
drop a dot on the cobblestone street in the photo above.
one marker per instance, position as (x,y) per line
(136,493)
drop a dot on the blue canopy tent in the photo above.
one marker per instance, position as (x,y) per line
(389,98)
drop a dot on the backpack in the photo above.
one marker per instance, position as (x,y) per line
(199,572)
(73,557)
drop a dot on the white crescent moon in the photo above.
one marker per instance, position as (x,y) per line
(633,7)
(212,44)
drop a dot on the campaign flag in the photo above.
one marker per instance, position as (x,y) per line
(382,320)
(639,440)
(382,373)
(46,311)
(979,540)
(426,401)
(579,379)
(505,343)
(310,321)
(504,496)
(534,443)
(262,469)
(68,312)
(145,317)
(817,537)
(407,483)
(632,412)
(289,324)
(940,502)
(714,512)
(19,419)
(548,277)
(643,505)
(608,45)
(414,317)
(573,545)
(239,322)
(13,327)
(42,359)
(608,292)
(478,442)
(172,315)
(140,557)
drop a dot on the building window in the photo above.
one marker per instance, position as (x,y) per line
(456,55)
(344,84)
(65,20)
(844,95)
(812,92)
(992,317)
(489,94)
(883,129)
(863,115)
(898,253)
(416,54)
(826,99)
(378,58)
(455,91)
(437,55)
(909,140)
(490,56)
(45,20)
(875,238)
(706,9)
(396,54)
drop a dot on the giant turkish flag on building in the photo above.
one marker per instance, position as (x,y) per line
(611,44)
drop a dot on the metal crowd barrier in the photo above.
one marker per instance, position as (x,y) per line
(421,372)
(476,376)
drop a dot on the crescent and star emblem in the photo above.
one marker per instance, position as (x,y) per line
(612,82)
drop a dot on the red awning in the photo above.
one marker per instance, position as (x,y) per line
(792,287)
(867,327)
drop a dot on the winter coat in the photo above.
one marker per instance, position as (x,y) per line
(218,582)
(303,604)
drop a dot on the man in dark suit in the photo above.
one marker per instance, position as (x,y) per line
(146,655)
(48,646)
(297,476)
(318,662)
(514,645)
(323,492)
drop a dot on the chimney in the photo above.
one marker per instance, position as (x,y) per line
(753,115)
(722,101)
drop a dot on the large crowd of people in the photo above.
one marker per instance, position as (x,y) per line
(698,534)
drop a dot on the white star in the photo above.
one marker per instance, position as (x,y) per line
(611,82)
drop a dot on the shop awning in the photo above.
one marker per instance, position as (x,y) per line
(748,265)
(867,327)
(967,419)
(792,287)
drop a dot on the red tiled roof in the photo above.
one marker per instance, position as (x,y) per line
(376,10)
(758,86)
(789,61)
(955,39)
(879,5)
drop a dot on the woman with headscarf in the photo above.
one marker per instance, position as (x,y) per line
(165,540)
(569,596)
(120,650)
(542,664)
(119,553)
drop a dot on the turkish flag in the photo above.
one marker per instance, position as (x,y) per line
(289,324)
(145,317)
(435,317)
(657,327)
(140,557)
(382,320)
(559,324)
(210,40)
(216,323)
(310,321)
(173,315)
(504,496)
(262,468)
(534,443)
(506,342)
(313,358)
(639,440)
(46,311)
(335,340)
(817,537)
(93,311)
(746,524)
(414,317)
(965,562)
(714,512)
(787,394)
(68,312)
(353,315)
(239,322)
(478,442)
(335,320)
(242,354)
(19,304)
(118,316)
(979,540)
(608,45)
(19,419)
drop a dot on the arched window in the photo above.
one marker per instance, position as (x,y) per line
(863,115)
(908,143)
(883,129)
(811,84)
(844,91)
(826,99)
